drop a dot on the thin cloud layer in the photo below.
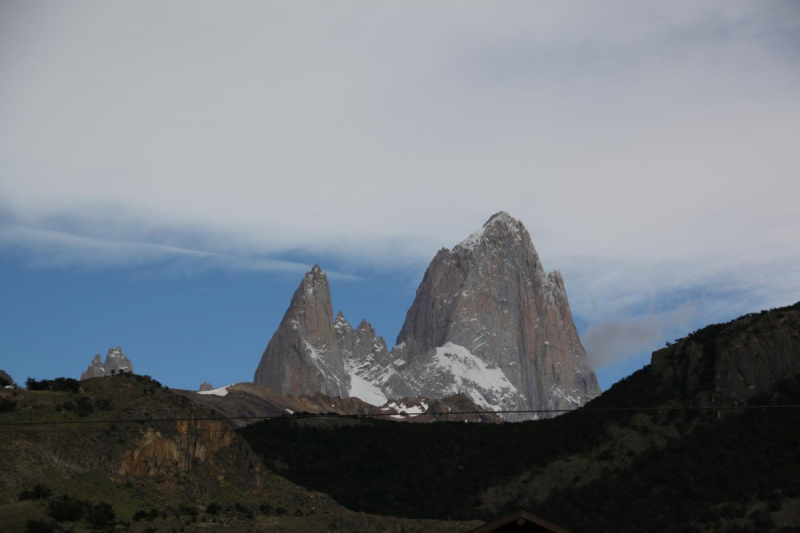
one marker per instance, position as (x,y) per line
(57,249)
(650,150)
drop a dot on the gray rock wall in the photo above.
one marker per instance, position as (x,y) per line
(303,355)
(491,298)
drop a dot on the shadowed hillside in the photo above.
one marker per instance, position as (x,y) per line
(583,469)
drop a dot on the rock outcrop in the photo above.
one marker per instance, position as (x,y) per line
(115,362)
(206,386)
(726,364)
(5,379)
(303,355)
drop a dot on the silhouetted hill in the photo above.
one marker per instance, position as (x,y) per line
(591,469)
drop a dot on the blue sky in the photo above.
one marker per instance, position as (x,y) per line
(169,171)
(184,328)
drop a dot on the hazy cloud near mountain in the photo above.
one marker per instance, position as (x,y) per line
(615,341)
(649,149)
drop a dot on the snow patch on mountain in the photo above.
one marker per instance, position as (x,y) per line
(405,410)
(486,385)
(364,390)
(222,391)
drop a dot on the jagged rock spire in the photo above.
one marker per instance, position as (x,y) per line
(303,356)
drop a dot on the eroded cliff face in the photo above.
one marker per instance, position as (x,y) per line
(726,364)
(188,444)
(490,322)
(185,458)
(303,355)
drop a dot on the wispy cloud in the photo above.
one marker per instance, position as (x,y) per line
(43,248)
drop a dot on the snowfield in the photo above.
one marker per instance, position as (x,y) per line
(222,391)
(364,390)
(487,386)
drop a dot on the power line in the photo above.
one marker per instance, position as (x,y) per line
(401,415)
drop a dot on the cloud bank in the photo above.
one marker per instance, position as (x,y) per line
(651,151)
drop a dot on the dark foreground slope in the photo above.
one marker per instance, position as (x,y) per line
(675,468)
(161,466)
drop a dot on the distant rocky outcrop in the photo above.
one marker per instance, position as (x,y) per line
(206,386)
(5,379)
(115,362)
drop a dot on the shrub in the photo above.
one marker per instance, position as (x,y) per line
(37,492)
(244,511)
(4,382)
(103,404)
(188,510)
(213,508)
(7,405)
(101,515)
(58,385)
(39,526)
(67,508)
(269,509)
(150,515)
(84,406)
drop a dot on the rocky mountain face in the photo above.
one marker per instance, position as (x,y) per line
(303,355)
(487,321)
(115,362)
(490,322)
(373,376)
